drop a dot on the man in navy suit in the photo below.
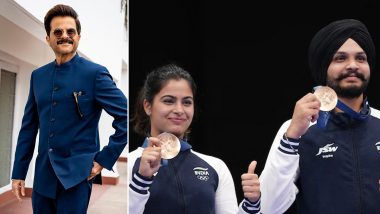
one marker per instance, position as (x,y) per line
(65,101)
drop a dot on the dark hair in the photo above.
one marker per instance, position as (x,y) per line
(153,84)
(60,10)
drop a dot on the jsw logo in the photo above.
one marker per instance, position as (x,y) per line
(326,149)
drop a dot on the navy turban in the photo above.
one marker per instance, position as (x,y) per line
(330,38)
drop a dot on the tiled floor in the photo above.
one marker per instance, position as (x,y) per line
(105,199)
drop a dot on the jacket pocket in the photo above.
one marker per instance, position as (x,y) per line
(85,105)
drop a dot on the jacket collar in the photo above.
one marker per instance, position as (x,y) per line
(68,63)
(350,117)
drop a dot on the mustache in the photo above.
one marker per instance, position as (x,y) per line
(65,40)
(351,73)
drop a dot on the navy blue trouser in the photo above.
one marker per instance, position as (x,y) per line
(74,200)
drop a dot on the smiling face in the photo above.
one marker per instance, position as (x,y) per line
(63,37)
(172,109)
(349,71)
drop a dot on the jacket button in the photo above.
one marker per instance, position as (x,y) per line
(50,150)
(51,134)
(52,119)
(54,103)
(55,88)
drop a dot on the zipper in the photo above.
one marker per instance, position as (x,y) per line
(356,170)
(179,185)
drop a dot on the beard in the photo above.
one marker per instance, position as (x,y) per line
(351,91)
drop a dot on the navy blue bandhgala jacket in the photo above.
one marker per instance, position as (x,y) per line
(64,105)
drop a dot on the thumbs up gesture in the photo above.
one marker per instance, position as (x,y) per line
(251,184)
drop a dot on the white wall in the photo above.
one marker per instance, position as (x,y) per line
(23,71)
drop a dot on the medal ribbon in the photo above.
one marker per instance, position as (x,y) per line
(362,115)
(323,118)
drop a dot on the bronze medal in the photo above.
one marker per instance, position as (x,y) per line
(170,145)
(327,97)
